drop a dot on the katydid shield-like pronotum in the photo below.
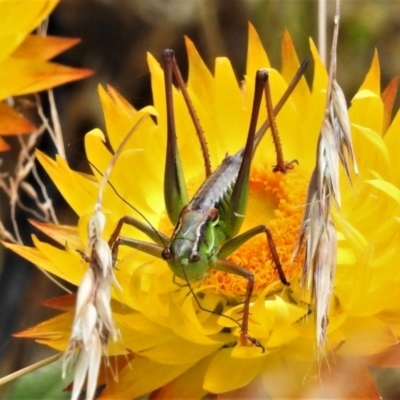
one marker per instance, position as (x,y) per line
(207,226)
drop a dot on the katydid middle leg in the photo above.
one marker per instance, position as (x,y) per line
(234,243)
(224,265)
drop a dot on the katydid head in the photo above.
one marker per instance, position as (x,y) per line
(193,244)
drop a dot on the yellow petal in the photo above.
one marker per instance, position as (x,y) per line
(185,325)
(33,255)
(365,289)
(174,350)
(37,47)
(3,145)
(389,189)
(23,76)
(320,80)
(62,303)
(283,330)
(78,189)
(275,375)
(391,318)
(158,343)
(120,118)
(373,78)
(202,91)
(311,122)
(365,336)
(119,199)
(63,234)
(188,142)
(392,141)
(226,373)
(139,155)
(370,150)
(200,80)
(388,98)
(233,125)
(256,56)
(53,332)
(189,385)
(365,102)
(56,331)
(66,265)
(140,377)
(12,123)
(18,19)
(149,287)
(97,153)
(290,64)
(157,87)
(204,320)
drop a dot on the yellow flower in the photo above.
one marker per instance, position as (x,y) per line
(24,59)
(182,351)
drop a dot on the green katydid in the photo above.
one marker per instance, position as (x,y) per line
(207,226)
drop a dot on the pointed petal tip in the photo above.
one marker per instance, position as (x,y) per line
(373,77)
(63,303)
(188,41)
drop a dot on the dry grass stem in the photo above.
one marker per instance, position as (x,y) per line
(317,237)
(93,324)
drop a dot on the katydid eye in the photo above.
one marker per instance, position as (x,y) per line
(194,257)
(166,254)
(213,216)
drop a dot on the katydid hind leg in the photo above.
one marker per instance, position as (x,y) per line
(175,191)
(194,117)
(239,197)
(281,164)
(289,90)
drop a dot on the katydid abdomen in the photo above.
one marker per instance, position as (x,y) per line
(200,230)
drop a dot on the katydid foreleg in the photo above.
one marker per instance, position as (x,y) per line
(281,164)
(149,231)
(145,247)
(153,249)
(171,68)
(293,83)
